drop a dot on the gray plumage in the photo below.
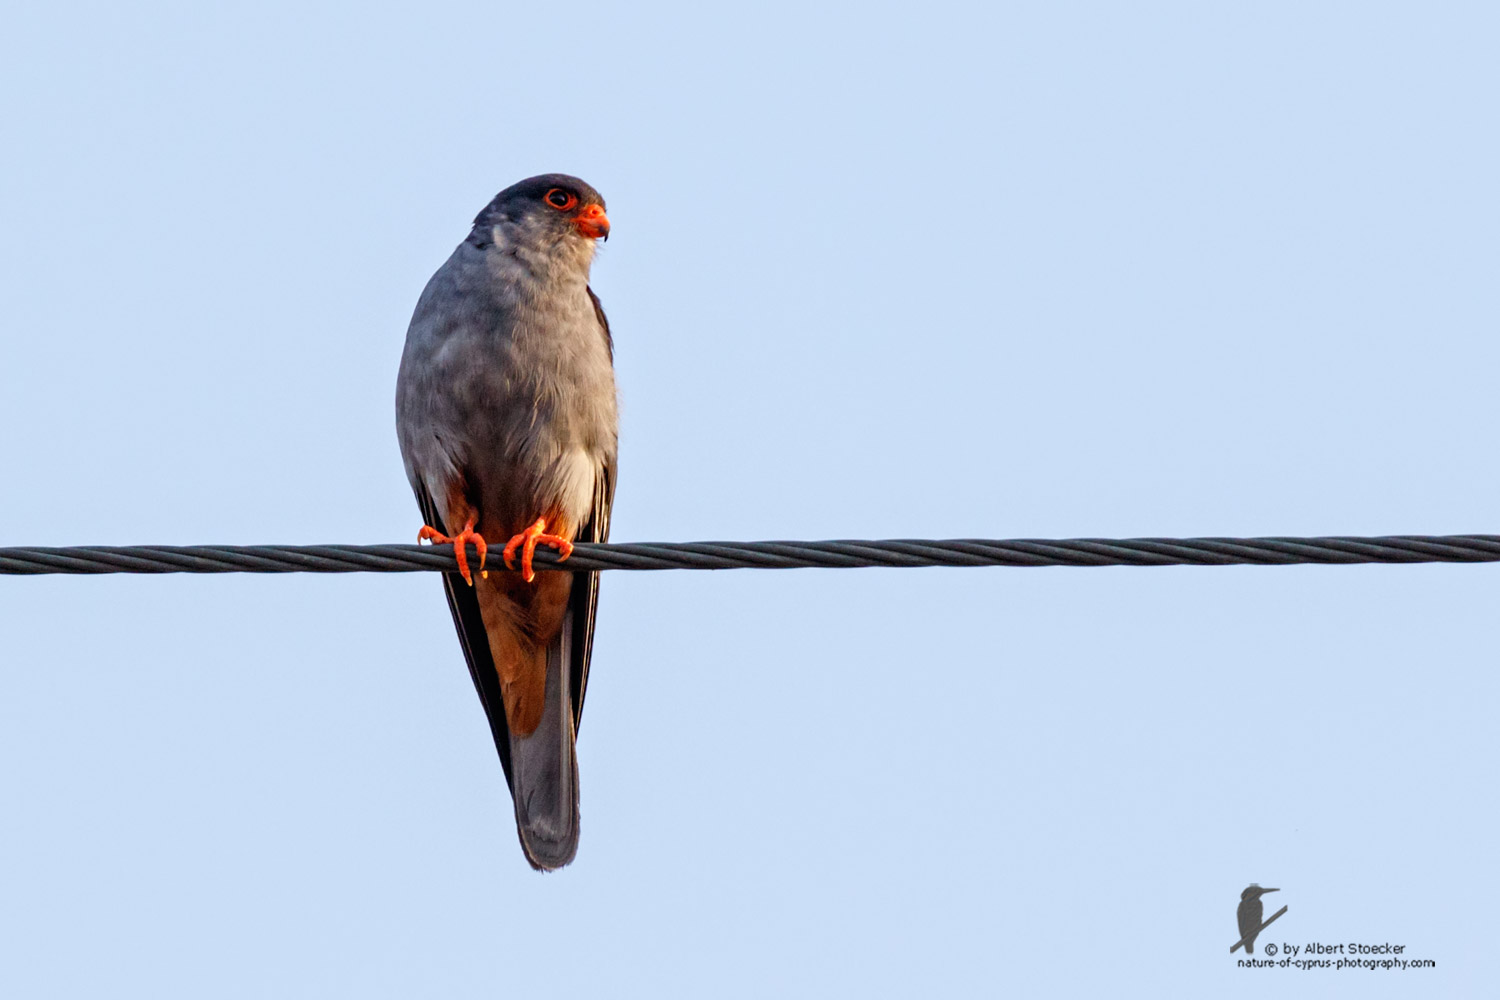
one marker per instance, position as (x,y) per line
(506,413)
(1248,915)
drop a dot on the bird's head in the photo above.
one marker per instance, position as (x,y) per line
(1253,891)
(547,212)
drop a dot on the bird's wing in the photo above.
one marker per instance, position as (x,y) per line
(609,341)
(584,600)
(463,602)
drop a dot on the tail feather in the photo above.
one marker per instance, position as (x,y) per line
(544,768)
(541,768)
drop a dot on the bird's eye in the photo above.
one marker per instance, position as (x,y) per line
(561,200)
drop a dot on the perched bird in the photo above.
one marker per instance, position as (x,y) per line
(506,413)
(1249,915)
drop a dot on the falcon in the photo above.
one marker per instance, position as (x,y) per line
(507,418)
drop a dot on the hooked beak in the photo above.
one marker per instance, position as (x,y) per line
(593,223)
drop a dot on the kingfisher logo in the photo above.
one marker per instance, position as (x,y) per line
(1251,918)
(1249,915)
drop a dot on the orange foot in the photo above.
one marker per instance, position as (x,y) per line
(527,541)
(459,551)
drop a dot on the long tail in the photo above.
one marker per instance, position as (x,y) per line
(544,768)
(541,768)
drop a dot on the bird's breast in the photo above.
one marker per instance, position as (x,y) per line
(548,416)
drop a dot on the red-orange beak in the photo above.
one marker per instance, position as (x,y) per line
(592,222)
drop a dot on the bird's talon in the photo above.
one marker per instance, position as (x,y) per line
(527,541)
(459,541)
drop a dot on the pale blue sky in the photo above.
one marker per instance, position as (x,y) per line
(929,270)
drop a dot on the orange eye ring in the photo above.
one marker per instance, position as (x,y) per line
(560,199)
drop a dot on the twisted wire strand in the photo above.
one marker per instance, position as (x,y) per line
(850,554)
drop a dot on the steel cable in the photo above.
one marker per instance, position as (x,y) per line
(896,553)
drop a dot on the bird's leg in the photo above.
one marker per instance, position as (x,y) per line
(527,541)
(467,535)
